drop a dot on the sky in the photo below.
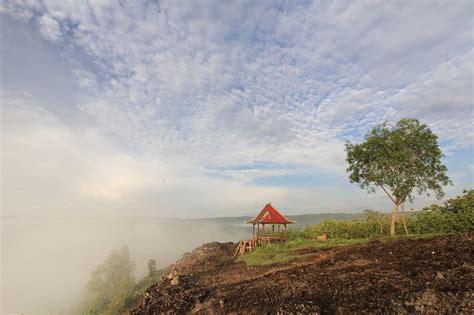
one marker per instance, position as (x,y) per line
(214,108)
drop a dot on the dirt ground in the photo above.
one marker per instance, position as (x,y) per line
(424,276)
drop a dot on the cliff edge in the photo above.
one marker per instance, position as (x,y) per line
(405,276)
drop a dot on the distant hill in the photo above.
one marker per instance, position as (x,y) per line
(301,220)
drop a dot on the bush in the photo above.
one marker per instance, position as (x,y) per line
(112,288)
(295,235)
(110,284)
(456,216)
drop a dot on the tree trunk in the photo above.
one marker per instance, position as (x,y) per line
(404,218)
(394,219)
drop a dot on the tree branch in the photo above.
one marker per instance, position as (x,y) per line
(388,194)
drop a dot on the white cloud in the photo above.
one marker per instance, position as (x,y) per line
(444,97)
(231,83)
(51,169)
(49,28)
(85,79)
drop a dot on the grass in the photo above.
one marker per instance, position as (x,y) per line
(282,253)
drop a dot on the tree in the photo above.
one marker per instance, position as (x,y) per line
(460,203)
(377,218)
(151,268)
(109,283)
(399,160)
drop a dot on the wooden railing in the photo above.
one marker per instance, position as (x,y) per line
(244,246)
(249,245)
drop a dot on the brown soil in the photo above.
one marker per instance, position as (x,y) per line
(407,276)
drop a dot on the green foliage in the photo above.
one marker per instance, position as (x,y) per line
(152,268)
(297,234)
(399,160)
(341,229)
(374,224)
(110,284)
(461,203)
(112,288)
(456,216)
(377,221)
(282,253)
(134,295)
(267,255)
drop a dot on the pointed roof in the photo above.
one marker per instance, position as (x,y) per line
(270,215)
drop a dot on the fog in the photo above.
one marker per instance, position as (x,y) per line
(46,262)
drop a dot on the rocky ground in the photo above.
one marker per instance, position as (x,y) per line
(425,276)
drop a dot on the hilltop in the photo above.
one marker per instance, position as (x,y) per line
(400,276)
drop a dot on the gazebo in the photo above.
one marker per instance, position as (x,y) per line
(269,216)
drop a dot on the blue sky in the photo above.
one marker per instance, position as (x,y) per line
(214,108)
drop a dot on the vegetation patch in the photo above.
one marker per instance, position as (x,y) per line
(455,216)
(112,288)
(292,250)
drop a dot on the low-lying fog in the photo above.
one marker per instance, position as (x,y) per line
(46,262)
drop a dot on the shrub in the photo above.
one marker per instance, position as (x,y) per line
(455,216)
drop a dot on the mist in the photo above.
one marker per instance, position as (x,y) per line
(46,262)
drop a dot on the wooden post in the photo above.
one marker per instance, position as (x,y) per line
(286,237)
(253,231)
(263,229)
(273,229)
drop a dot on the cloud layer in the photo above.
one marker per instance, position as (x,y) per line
(243,92)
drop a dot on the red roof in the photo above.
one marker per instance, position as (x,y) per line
(270,215)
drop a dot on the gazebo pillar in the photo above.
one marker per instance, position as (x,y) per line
(273,229)
(253,231)
(285,235)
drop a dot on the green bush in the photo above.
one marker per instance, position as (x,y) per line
(109,284)
(112,288)
(455,216)
(295,235)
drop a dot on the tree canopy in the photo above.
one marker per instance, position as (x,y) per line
(109,283)
(152,268)
(400,160)
(461,203)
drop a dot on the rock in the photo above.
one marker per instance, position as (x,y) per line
(172,273)
(175,280)
(206,258)
(323,237)
(334,281)
(167,298)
